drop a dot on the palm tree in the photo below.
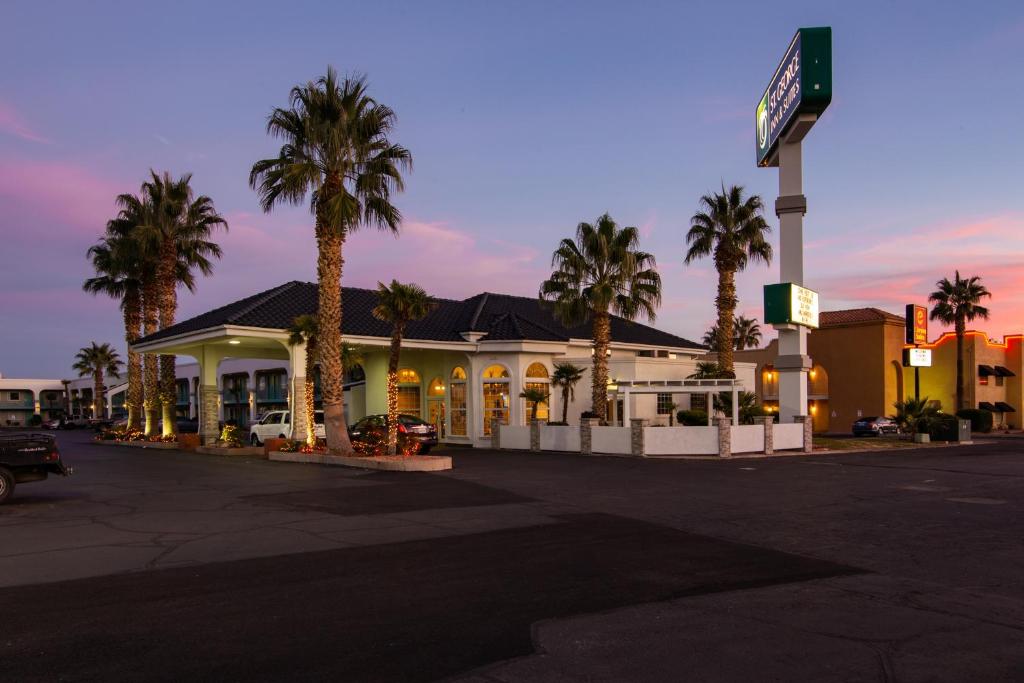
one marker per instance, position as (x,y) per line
(97,360)
(733,231)
(916,415)
(708,369)
(566,376)
(746,333)
(710,338)
(599,273)
(336,148)
(534,397)
(303,331)
(398,304)
(958,303)
(117,260)
(177,235)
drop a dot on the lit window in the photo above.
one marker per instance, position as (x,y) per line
(458,399)
(537,370)
(496,372)
(458,373)
(496,399)
(542,407)
(408,376)
(409,400)
(436,387)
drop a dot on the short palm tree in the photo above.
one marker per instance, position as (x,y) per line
(303,330)
(708,369)
(957,303)
(120,269)
(177,236)
(602,272)
(746,333)
(915,415)
(565,377)
(398,304)
(732,230)
(336,148)
(534,397)
(98,360)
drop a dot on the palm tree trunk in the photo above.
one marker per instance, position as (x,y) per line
(328,269)
(151,381)
(726,303)
(961,326)
(168,284)
(565,405)
(599,378)
(132,321)
(97,394)
(309,397)
(396,351)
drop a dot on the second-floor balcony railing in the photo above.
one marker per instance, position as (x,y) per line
(25,401)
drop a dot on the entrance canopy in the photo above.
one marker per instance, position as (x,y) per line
(679,386)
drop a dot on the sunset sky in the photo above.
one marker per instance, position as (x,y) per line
(524,118)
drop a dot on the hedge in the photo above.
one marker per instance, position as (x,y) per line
(981,420)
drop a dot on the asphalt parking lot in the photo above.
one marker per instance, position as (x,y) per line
(158,565)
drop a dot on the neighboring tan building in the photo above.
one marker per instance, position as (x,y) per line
(857,371)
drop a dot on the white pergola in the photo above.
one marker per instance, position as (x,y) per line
(710,387)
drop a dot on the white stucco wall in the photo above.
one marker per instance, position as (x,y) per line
(748,439)
(515,437)
(681,440)
(560,439)
(610,440)
(788,436)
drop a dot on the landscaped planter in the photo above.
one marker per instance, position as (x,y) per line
(157,445)
(394,463)
(249,451)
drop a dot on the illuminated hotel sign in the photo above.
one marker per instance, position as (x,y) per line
(802,84)
(917,324)
(789,304)
(917,358)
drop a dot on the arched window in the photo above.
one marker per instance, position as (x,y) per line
(457,395)
(409,392)
(436,387)
(496,372)
(496,396)
(537,370)
(536,378)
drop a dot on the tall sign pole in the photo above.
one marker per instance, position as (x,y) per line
(916,334)
(798,93)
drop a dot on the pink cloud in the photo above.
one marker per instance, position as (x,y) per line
(12,123)
(62,192)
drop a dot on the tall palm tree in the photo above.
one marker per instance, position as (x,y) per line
(303,331)
(398,304)
(98,360)
(732,230)
(600,273)
(118,261)
(565,377)
(336,149)
(746,333)
(957,303)
(177,234)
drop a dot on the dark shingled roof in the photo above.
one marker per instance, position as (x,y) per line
(499,316)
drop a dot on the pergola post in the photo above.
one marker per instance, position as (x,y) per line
(625,406)
(297,358)
(735,405)
(209,424)
(711,408)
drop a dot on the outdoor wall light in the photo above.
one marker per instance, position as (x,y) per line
(234,341)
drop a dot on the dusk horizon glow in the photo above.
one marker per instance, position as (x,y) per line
(523,121)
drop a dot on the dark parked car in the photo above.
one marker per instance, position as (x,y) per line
(409,429)
(25,458)
(874,426)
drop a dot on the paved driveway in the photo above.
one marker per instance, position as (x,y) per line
(518,567)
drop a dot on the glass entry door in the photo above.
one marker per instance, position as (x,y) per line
(435,408)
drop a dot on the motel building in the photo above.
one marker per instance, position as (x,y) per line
(857,371)
(20,399)
(462,366)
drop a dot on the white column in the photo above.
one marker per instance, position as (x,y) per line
(711,408)
(735,405)
(793,362)
(626,412)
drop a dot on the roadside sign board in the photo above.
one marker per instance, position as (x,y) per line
(802,83)
(788,304)
(917,324)
(917,358)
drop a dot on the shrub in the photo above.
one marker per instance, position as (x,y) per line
(944,427)
(692,418)
(35,420)
(981,420)
(231,436)
(290,446)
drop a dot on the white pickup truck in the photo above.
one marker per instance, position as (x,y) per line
(277,425)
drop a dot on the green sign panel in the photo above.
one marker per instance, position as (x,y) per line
(802,83)
(789,304)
